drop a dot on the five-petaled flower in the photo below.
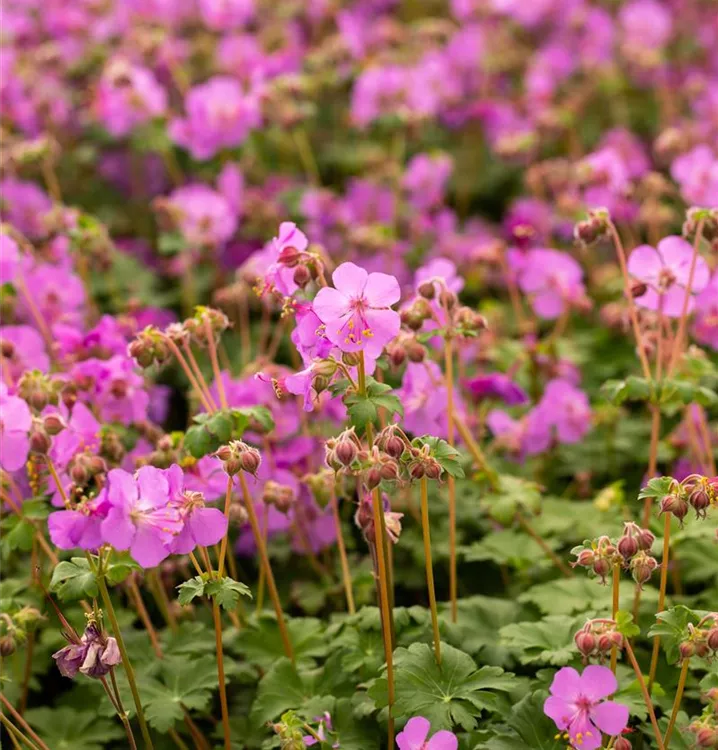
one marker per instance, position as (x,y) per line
(576,705)
(357,312)
(416,731)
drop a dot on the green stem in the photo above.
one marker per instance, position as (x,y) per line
(661,597)
(426,530)
(676,702)
(644,692)
(129,671)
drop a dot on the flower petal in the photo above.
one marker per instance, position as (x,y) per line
(350,279)
(330,305)
(558,710)
(443,740)
(208,525)
(566,684)
(154,487)
(147,548)
(121,489)
(610,717)
(414,734)
(117,529)
(645,264)
(597,682)
(381,290)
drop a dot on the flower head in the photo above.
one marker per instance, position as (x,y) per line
(357,312)
(576,705)
(15,423)
(415,733)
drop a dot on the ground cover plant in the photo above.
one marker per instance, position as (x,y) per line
(359,374)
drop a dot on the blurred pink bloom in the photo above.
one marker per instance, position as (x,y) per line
(552,280)
(15,423)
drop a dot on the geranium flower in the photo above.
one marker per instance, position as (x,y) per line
(9,259)
(665,269)
(576,705)
(141,518)
(15,423)
(357,312)
(499,386)
(79,528)
(414,735)
(552,279)
(705,328)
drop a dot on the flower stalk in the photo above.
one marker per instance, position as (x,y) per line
(426,532)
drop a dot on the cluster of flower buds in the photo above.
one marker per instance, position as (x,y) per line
(237,456)
(204,318)
(423,464)
(630,552)
(700,493)
(415,315)
(405,347)
(149,347)
(307,264)
(702,639)
(591,230)
(393,441)
(708,217)
(94,654)
(84,467)
(381,468)
(42,431)
(705,728)
(597,638)
(281,496)
(15,627)
(38,389)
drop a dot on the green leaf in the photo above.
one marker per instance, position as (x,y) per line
(514,494)
(279,690)
(18,533)
(363,409)
(198,442)
(258,418)
(260,642)
(450,695)
(67,729)
(121,565)
(190,589)
(226,592)
(508,547)
(672,626)
(657,488)
(447,456)
(184,682)
(625,624)
(527,727)
(74,580)
(219,426)
(548,641)
(631,389)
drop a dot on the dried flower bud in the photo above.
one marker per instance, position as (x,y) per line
(281,496)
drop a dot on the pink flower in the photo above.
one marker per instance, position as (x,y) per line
(575,705)
(206,218)
(357,312)
(279,275)
(28,350)
(666,270)
(141,518)
(705,328)
(222,15)
(566,409)
(552,279)
(696,172)
(9,259)
(15,423)
(414,735)
(82,527)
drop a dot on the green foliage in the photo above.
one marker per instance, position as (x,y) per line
(527,727)
(450,695)
(514,495)
(69,729)
(548,641)
(73,579)
(210,431)
(672,626)
(364,409)
(226,591)
(445,455)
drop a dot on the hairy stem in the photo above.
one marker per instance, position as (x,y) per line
(220,673)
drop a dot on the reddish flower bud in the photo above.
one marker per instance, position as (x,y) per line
(700,501)
(224,453)
(605,643)
(394,446)
(687,649)
(638,289)
(250,460)
(39,440)
(397,354)
(415,351)
(426,290)
(7,645)
(586,558)
(432,468)
(642,565)
(645,539)
(675,504)
(712,638)
(54,424)
(346,452)
(622,744)
(601,567)
(628,546)
(302,276)
(416,470)
(585,642)
(707,737)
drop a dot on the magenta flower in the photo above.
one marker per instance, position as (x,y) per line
(415,733)
(28,350)
(552,280)
(357,313)
(576,705)
(498,386)
(141,518)
(15,423)
(222,15)
(426,178)
(9,259)
(566,409)
(205,217)
(696,172)
(705,328)
(665,270)
(201,525)
(219,115)
(81,527)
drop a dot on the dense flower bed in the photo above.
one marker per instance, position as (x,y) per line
(359,374)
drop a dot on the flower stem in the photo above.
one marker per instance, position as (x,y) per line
(426,531)
(227,504)
(117,703)
(212,346)
(676,702)
(136,597)
(15,734)
(661,596)
(129,671)
(652,459)
(264,558)
(220,673)
(346,574)
(23,724)
(557,561)
(644,692)
(451,482)
(188,372)
(194,365)
(476,453)
(614,610)
(306,156)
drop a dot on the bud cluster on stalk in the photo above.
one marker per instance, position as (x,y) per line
(307,264)
(702,639)
(597,638)
(630,552)
(238,456)
(595,227)
(705,728)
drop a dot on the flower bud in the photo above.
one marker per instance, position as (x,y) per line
(373,477)
(604,644)
(712,638)
(39,440)
(676,504)
(224,453)
(415,351)
(54,424)
(707,737)
(700,501)
(585,559)
(394,446)
(642,565)
(622,744)
(351,359)
(448,299)
(397,354)
(585,642)
(638,289)
(346,452)
(141,351)
(69,394)
(426,289)
(645,539)
(250,460)
(7,645)
(417,470)
(389,471)
(687,649)
(601,567)
(628,546)
(302,276)
(432,469)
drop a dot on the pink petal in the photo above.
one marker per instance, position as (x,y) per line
(66,528)
(14,447)
(381,290)
(153,486)
(290,236)
(677,254)
(117,529)
(330,305)
(16,414)
(443,740)
(548,304)
(414,734)
(590,737)
(645,264)
(350,279)
(597,682)
(558,710)
(121,489)
(383,325)
(208,525)
(673,301)
(147,548)
(610,717)
(566,684)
